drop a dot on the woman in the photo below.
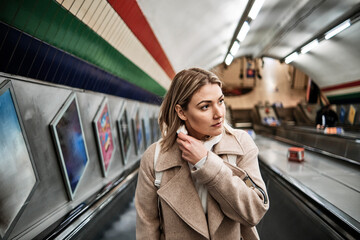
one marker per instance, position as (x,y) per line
(201,195)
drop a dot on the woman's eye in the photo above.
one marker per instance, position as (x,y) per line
(221,101)
(204,107)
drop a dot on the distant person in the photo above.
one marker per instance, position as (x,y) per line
(326,117)
(211,187)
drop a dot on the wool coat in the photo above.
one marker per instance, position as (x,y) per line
(237,197)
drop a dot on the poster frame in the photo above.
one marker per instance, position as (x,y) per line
(104,104)
(7,85)
(124,113)
(59,115)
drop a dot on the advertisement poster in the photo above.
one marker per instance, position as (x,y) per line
(70,144)
(352,113)
(104,136)
(18,175)
(124,133)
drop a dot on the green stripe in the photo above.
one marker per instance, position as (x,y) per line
(344,96)
(51,23)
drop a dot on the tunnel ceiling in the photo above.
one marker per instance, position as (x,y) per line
(199,33)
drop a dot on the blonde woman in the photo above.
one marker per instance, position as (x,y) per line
(201,194)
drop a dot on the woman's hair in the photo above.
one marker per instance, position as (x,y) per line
(184,85)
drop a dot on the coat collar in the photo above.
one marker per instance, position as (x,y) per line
(169,159)
(229,144)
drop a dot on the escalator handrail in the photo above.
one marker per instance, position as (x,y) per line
(85,211)
(333,216)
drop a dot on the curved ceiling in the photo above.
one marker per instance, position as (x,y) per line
(199,33)
(193,33)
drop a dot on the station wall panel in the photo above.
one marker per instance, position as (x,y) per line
(38,104)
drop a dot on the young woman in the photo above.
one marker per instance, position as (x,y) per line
(202,195)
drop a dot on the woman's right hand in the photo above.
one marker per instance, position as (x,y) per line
(193,150)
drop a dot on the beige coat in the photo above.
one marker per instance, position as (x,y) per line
(234,206)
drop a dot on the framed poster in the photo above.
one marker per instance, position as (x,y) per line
(342,114)
(147,133)
(124,133)
(137,132)
(104,137)
(18,175)
(70,144)
(351,116)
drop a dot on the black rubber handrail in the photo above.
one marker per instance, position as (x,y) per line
(85,211)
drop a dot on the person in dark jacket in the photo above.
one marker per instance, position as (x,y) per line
(326,117)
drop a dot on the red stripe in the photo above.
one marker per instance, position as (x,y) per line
(133,17)
(340,86)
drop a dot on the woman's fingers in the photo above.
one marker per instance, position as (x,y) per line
(183,136)
(192,149)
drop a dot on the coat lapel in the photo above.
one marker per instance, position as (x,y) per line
(227,145)
(215,215)
(180,193)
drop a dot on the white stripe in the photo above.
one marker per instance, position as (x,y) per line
(343,91)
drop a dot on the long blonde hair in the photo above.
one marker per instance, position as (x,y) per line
(184,85)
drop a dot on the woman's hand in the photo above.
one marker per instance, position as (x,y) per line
(193,150)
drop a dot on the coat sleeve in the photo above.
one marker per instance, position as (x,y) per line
(146,199)
(240,202)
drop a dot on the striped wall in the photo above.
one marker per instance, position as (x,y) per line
(343,93)
(131,13)
(83,44)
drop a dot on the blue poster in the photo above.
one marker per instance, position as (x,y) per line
(342,115)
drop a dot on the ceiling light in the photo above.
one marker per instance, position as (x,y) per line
(309,46)
(243,31)
(337,29)
(255,8)
(235,47)
(228,59)
(291,57)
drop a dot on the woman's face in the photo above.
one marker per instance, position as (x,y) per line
(205,113)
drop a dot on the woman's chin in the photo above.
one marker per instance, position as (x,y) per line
(206,135)
(216,132)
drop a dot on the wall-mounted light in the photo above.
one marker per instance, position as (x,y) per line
(243,31)
(291,57)
(228,59)
(337,29)
(309,46)
(234,48)
(255,9)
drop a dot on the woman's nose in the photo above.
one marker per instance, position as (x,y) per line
(218,112)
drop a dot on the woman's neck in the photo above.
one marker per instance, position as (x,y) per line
(196,134)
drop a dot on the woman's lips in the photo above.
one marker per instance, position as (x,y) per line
(217,124)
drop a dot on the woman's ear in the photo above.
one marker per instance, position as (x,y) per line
(180,112)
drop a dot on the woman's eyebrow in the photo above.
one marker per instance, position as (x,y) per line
(209,101)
